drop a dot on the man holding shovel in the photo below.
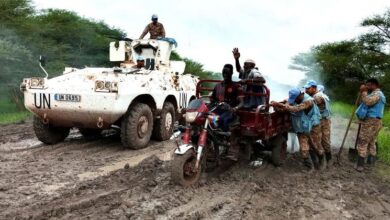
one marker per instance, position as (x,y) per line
(370,113)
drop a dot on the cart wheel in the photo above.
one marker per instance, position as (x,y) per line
(279,150)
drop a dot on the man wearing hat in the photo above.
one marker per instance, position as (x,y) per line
(320,135)
(250,74)
(155,29)
(305,116)
(323,104)
(370,113)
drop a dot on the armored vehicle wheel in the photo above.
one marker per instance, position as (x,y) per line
(137,126)
(163,127)
(90,133)
(49,134)
(279,150)
(182,169)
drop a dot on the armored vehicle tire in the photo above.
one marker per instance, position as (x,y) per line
(182,169)
(90,133)
(163,127)
(279,150)
(137,126)
(49,134)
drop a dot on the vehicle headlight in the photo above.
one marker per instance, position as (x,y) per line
(114,87)
(37,82)
(191,116)
(106,86)
(99,85)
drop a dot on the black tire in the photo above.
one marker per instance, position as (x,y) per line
(179,164)
(49,134)
(137,126)
(163,127)
(279,150)
(89,133)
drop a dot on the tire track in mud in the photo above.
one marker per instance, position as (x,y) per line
(45,183)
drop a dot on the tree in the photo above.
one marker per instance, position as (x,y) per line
(343,65)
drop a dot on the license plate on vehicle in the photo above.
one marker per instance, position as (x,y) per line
(67,97)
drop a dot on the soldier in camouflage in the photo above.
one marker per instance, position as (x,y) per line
(324,106)
(370,113)
(321,135)
(155,29)
(300,105)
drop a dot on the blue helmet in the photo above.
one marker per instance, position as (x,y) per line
(293,94)
(310,83)
(154,17)
(321,88)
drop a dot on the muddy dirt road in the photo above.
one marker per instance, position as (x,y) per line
(99,179)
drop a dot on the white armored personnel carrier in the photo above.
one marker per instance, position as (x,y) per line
(142,102)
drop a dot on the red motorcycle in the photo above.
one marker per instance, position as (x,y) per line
(203,143)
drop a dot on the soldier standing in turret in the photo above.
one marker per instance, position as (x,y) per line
(155,29)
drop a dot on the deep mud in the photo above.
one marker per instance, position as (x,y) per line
(99,179)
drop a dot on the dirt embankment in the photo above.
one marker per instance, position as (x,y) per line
(80,179)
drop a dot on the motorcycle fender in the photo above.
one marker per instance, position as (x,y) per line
(182,149)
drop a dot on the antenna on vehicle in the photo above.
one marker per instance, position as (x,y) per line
(42,63)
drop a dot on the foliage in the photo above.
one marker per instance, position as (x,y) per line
(194,67)
(64,37)
(14,117)
(384,145)
(342,109)
(343,65)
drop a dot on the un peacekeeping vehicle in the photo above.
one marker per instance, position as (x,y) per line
(143,102)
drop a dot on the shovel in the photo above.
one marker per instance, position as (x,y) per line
(346,132)
(352,152)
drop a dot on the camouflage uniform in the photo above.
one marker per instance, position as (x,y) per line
(370,127)
(305,141)
(304,145)
(315,139)
(155,30)
(325,137)
(325,124)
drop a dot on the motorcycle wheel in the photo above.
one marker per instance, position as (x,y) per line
(182,169)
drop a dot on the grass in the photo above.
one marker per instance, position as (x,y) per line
(342,109)
(384,145)
(345,110)
(13,117)
(9,113)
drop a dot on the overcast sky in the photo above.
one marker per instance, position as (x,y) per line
(270,32)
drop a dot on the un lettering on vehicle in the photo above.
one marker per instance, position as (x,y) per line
(183,100)
(42,101)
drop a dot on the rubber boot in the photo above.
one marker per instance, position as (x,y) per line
(359,164)
(307,163)
(371,160)
(321,162)
(329,160)
(314,158)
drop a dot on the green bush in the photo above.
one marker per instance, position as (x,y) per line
(384,145)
